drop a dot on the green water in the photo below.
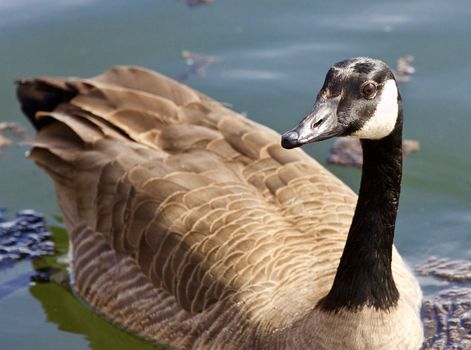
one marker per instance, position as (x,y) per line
(274,54)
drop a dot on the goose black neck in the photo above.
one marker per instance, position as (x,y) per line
(364,276)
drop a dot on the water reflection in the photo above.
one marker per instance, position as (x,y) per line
(252,74)
(65,310)
(70,315)
(13,11)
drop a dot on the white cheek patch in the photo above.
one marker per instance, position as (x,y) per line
(382,123)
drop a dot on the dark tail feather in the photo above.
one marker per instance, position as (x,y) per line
(43,95)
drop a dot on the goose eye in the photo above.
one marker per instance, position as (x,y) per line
(369,89)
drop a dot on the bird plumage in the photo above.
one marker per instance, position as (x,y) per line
(190,225)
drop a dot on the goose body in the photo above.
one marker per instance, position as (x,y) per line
(192,227)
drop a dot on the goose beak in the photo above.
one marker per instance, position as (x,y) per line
(320,124)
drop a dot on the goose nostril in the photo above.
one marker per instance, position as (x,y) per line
(319,122)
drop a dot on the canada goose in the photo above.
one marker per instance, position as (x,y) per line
(192,227)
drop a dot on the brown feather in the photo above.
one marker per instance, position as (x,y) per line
(190,225)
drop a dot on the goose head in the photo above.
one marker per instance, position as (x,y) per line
(359,98)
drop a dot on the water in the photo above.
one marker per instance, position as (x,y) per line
(274,56)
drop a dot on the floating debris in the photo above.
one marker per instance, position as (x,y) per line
(449,270)
(198,64)
(24,237)
(193,3)
(51,274)
(447,314)
(348,152)
(447,319)
(27,237)
(404,69)
(13,127)
(12,130)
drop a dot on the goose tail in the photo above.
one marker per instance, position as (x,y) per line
(42,94)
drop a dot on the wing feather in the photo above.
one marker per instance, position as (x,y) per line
(205,201)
